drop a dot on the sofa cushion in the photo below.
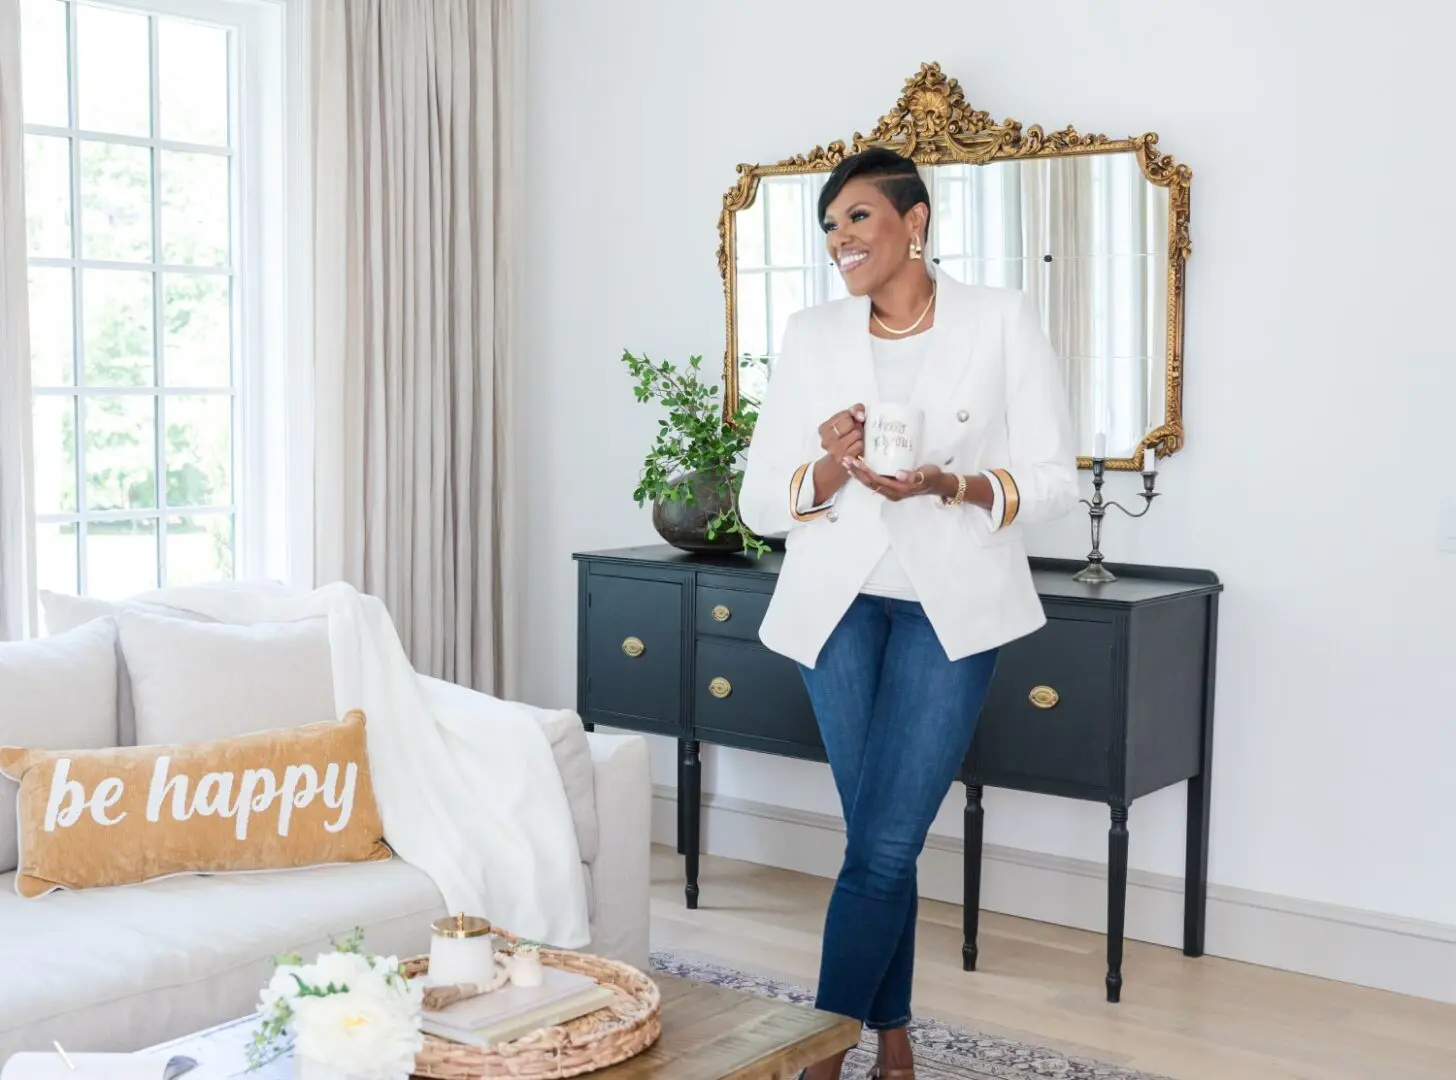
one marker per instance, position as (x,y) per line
(125,968)
(198,682)
(56,693)
(64,613)
(572,753)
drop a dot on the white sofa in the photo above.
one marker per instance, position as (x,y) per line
(127,967)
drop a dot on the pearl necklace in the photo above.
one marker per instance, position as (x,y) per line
(935,286)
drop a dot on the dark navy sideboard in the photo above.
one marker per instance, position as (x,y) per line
(1110,701)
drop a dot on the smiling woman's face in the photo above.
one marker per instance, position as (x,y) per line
(868,238)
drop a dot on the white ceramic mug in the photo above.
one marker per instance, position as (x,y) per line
(893,434)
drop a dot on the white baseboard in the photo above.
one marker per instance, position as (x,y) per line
(1366,948)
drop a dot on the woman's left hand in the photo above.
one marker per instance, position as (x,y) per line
(926,480)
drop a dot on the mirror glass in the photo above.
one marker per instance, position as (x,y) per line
(1086,235)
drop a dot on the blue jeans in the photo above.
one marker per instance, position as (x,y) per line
(897,718)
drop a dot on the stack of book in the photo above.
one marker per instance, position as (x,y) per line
(513,1011)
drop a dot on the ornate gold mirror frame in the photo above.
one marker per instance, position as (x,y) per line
(933,125)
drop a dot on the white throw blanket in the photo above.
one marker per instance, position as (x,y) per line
(470,795)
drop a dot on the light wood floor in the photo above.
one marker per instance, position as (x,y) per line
(1204,1019)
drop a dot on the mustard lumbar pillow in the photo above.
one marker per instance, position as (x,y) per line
(274,800)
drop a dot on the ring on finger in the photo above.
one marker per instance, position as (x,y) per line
(837,433)
(919,478)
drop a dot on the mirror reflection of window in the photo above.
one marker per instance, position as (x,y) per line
(1087,237)
(783,266)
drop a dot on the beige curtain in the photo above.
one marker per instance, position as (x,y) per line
(418,164)
(1105,294)
(16,528)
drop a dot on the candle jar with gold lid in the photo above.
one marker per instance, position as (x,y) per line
(462,950)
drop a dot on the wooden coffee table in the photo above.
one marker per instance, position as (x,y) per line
(708,1033)
(713,1033)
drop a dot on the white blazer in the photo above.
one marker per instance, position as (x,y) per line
(994,403)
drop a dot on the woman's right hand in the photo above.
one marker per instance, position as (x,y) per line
(842,435)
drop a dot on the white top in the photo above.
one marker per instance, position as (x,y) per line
(897,369)
(898,363)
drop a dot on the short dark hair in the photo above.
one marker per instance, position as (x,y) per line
(894,174)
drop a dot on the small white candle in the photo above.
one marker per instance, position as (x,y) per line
(525,968)
(1150,460)
(64,1056)
(1099,450)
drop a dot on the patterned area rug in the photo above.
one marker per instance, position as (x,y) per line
(942,1052)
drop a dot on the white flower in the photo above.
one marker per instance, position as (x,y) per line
(356,1013)
(339,969)
(283,987)
(372,1033)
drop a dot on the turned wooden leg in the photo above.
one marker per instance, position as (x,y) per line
(682,799)
(971,869)
(1116,899)
(691,794)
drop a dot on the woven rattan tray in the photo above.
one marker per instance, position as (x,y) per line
(606,1037)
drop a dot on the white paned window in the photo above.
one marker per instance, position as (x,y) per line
(144,323)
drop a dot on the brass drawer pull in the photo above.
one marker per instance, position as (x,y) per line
(721,613)
(720,687)
(1044,697)
(633,647)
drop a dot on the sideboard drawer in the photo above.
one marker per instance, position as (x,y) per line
(1048,715)
(731,613)
(746,696)
(634,646)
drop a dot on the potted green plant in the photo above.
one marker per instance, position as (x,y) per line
(692,474)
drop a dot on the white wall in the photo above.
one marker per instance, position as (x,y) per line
(1320,368)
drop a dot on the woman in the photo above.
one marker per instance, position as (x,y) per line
(897,591)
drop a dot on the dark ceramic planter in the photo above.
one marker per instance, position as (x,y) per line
(684,524)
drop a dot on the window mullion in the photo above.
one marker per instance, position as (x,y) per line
(133,391)
(118,139)
(114,264)
(238,252)
(159,418)
(78,300)
(210,510)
